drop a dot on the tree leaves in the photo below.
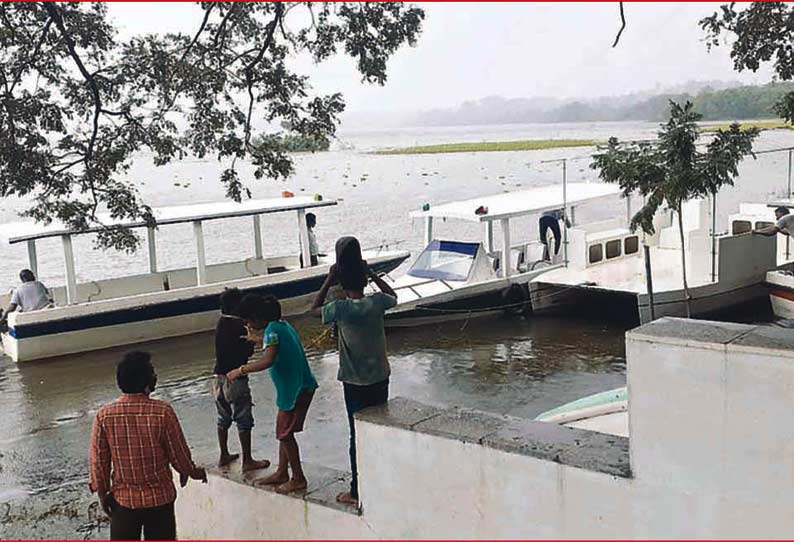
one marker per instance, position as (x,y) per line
(77,104)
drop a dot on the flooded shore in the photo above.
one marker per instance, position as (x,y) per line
(504,365)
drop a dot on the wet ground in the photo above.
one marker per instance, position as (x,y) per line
(506,365)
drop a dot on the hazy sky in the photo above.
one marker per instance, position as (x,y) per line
(472,50)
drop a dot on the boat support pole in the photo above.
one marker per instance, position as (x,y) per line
(649,281)
(201,260)
(489,236)
(33,261)
(505,248)
(68,260)
(788,238)
(303,232)
(428,230)
(257,237)
(151,239)
(714,237)
(565,209)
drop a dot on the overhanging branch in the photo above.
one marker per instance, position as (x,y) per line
(622,26)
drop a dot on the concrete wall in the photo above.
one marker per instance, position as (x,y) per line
(710,454)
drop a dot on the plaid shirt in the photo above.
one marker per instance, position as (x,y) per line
(140,437)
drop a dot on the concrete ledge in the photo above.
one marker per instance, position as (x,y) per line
(597,452)
(722,336)
(324,482)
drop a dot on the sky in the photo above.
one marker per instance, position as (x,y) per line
(468,51)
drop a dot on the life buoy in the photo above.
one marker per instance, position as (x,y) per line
(515,299)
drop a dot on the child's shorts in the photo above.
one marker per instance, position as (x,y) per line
(233,403)
(289,422)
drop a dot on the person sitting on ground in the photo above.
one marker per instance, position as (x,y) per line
(295,384)
(784,224)
(363,366)
(31,295)
(233,399)
(139,439)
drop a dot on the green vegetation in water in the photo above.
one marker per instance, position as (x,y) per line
(761,125)
(493,146)
(294,142)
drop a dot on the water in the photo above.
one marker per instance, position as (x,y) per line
(512,365)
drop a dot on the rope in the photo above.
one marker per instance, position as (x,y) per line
(495,307)
(319,338)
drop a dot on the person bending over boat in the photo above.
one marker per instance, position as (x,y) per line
(363,366)
(784,224)
(295,384)
(233,399)
(139,439)
(550,220)
(31,295)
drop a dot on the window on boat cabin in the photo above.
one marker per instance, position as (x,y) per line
(631,245)
(596,253)
(741,226)
(761,225)
(613,249)
(445,260)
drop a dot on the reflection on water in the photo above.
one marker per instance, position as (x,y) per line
(503,365)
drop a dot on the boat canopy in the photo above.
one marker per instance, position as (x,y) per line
(788,203)
(525,202)
(17,232)
(445,260)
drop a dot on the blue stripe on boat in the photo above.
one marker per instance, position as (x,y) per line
(180,307)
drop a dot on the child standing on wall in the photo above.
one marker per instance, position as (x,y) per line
(363,366)
(295,384)
(233,399)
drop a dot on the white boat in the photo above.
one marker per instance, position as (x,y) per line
(165,303)
(605,412)
(607,269)
(454,279)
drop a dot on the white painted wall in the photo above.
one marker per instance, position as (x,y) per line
(711,445)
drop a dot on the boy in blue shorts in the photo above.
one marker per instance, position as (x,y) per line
(295,384)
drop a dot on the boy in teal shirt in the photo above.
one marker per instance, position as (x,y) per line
(295,384)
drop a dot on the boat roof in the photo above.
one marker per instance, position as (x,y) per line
(525,202)
(782,202)
(16,232)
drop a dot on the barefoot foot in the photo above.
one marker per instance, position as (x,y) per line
(277,477)
(253,464)
(226,459)
(291,486)
(346,498)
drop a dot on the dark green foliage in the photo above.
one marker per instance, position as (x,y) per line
(759,33)
(77,103)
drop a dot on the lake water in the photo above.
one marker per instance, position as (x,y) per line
(505,365)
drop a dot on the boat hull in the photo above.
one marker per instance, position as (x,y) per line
(111,323)
(781,294)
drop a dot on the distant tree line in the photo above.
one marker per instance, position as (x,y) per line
(736,103)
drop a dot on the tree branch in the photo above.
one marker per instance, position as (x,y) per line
(622,26)
(55,15)
(33,55)
(207,13)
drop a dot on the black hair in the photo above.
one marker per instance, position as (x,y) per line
(311,220)
(350,266)
(230,300)
(782,210)
(257,307)
(134,372)
(26,275)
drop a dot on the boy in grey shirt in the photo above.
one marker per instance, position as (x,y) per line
(363,366)
(31,295)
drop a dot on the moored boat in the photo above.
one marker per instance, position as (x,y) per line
(166,303)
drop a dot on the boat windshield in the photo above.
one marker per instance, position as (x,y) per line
(445,260)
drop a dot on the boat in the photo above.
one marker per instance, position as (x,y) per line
(607,270)
(94,315)
(604,412)
(455,279)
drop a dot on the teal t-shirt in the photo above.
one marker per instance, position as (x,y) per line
(362,338)
(290,372)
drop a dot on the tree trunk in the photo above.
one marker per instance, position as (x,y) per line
(683,259)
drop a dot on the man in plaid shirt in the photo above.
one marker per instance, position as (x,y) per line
(141,438)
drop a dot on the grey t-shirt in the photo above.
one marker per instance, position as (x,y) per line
(362,338)
(786,224)
(30,296)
